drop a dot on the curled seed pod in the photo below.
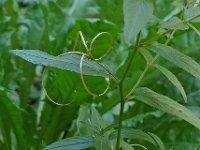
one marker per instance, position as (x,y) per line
(93,41)
(46,93)
(84,83)
(139,145)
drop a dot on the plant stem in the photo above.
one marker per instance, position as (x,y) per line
(154,38)
(142,75)
(195,29)
(120,117)
(122,99)
(138,81)
(131,58)
(147,68)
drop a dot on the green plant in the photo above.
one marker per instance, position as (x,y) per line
(91,74)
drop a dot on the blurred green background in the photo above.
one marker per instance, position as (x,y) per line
(29,121)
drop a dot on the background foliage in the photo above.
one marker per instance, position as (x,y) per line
(28,120)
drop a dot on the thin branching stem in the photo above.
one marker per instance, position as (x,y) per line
(194,28)
(131,58)
(120,117)
(122,99)
(147,68)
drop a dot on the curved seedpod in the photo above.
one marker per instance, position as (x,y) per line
(84,83)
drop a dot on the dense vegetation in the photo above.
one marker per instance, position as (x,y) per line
(99,74)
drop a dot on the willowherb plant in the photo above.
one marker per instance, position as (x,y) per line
(94,132)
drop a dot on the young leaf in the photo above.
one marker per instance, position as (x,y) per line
(174,23)
(166,104)
(74,143)
(177,58)
(67,61)
(173,79)
(102,143)
(83,128)
(137,14)
(96,119)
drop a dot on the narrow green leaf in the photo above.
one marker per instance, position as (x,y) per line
(198,147)
(67,61)
(137,134)
(137,14)
(173,79)
(146,54)
(157,140)
(74,143)
(166,104)
(177,58)
(130,133)
(174,23)
(126,146)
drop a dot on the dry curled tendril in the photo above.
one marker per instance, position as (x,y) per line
(139,145)
(88,54)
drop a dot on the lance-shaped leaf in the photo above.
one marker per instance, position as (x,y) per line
(173,79)
(166,104)
(67,61)
(177,58)
(137,14)
(157,140)
(74,143)
(174,23)
(131,133)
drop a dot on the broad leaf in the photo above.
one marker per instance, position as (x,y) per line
(59,85)
(166,104)
(174,23)
(74,143)
(192,14)
(137,14)
(173,79)
(96,119)
(67,61)
(177,58)
(11,124)
(83,116)
(102,143)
